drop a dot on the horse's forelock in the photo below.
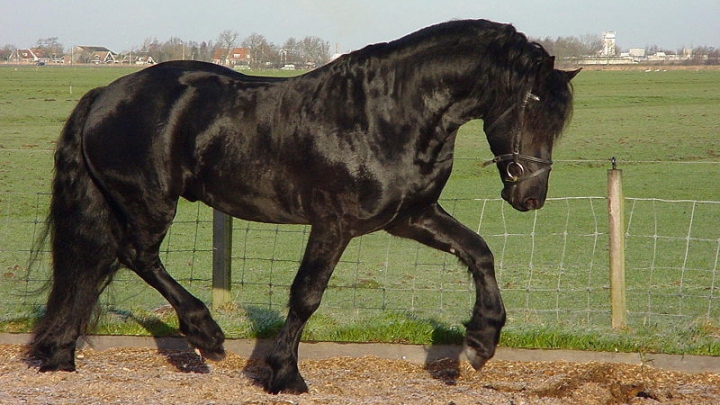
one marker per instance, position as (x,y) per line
(524,66)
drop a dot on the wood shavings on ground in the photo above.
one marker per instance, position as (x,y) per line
(148,376)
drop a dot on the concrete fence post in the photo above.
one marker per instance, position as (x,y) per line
(616,233)
(222,259)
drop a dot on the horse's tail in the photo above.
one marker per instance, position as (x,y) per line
(84,235)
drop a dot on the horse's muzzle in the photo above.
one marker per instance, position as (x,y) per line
(511,194)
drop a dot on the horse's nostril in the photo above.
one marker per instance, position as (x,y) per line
(532,204)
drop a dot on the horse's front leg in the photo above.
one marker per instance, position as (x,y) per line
(325,246)
(436,228)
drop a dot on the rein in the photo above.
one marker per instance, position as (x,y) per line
(515,171)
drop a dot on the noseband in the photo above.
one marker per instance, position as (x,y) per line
(515,171)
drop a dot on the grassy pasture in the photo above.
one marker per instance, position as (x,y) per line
(663,127)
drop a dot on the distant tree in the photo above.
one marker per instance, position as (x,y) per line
(272,53)
(192,51)
(705,55)
(173,49)
(314,50)
(227,40)
(204,51)
(261,50)
(50,47)
(713,56)
(652,50)
(572,47)
(151,47)
(290,51)
(6,51)
(592,44)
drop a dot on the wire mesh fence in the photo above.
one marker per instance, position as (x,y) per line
(552,264)
(674,245)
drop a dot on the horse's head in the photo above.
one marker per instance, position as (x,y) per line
(521,134)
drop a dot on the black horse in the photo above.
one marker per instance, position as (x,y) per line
(362,144)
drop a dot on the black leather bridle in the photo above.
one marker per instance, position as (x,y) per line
(514,170)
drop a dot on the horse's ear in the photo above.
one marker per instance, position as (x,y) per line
(547,66)
(572,73)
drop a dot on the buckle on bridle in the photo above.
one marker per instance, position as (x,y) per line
(515,164)
(516,157)
(513,178)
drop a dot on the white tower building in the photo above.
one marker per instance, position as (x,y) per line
(608,42)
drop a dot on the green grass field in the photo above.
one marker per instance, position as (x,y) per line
(663,127)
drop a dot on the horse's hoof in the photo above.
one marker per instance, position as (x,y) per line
(50,367)
(477,362)
(212,354)
(296,386)
(286,380)
(208,346)
(48,358)
(479,347)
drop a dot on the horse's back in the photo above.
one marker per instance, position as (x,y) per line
(144,126)
(271,150)
(206,67)
(194,130)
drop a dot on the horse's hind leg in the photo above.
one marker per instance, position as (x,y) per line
(70,306)
(84,232)
(84,260)
(196,323)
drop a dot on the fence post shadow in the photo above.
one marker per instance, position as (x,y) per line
(265,323)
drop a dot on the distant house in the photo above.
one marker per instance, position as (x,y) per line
(637,52)
(236,56)
(26,56)
(145,60)
(137,58)
(93,54)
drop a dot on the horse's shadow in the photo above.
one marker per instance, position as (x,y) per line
(442,359)
(185,359)
(176,350)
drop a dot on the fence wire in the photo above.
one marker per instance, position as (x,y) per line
(674,247)
(551,265)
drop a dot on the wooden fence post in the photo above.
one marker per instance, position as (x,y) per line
(222,259)
(616,232)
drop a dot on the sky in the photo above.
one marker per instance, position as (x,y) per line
(350,25)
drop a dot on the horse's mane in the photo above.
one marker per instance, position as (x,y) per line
(472,51)
(508,54)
